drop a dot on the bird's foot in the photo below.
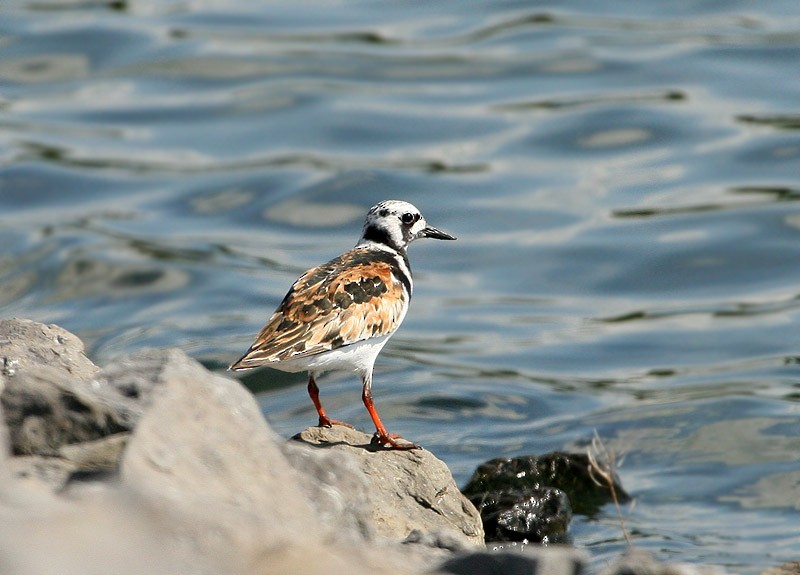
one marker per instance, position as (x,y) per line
(390,441)
(325,421)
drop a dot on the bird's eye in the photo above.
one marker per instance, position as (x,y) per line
(409,218)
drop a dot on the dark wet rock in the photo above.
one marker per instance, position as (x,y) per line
(533,514)
(555,560)
(408,490)
(568,472)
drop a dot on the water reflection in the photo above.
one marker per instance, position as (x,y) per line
(82,278)
(44,68)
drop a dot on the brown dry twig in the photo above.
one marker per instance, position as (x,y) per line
(602,469)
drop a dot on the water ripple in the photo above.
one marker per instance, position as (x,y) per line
(622,177)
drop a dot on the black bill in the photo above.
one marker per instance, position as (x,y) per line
(431,232)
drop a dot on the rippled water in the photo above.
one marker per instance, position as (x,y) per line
(623,178)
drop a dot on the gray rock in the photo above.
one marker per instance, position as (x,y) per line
(104,453)
(213,476)
(50,473)
(46,408)
(78,466)
(439,539)
(25,345)
(407,490)
(41,534)
(337,487)
(52,395)
(5,451)
(203,451)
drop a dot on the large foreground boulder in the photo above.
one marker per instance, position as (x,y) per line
(204,453)
(156,465)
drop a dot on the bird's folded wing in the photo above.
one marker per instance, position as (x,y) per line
(330,306)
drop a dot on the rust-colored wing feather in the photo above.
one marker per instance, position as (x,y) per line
(351,298)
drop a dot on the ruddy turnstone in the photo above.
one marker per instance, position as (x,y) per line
(338,316)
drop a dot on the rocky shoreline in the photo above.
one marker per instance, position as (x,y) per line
(156,465)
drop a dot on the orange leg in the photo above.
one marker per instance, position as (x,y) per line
(381,438)
(324,420)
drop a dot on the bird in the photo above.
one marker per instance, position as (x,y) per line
(338,316)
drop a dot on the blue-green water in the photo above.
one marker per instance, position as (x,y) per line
(623,178)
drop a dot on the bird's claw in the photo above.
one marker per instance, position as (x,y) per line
(328,422)
(390,441)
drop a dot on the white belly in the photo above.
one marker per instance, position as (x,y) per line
(356,357)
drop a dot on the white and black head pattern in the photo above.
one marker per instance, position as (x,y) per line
(395,224)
